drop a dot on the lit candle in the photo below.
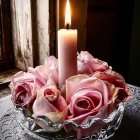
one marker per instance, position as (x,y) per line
(67,49)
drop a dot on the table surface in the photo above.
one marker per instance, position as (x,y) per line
(129,128)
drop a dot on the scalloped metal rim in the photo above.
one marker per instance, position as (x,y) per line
(110,118)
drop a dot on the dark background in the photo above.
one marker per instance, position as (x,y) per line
(113,35)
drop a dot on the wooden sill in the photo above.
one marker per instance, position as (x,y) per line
(5,77)
(4,92)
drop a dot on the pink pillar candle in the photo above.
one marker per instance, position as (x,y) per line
(67,54)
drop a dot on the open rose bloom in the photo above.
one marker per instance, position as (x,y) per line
(93,94)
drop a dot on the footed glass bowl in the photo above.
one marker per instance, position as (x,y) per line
(109,126)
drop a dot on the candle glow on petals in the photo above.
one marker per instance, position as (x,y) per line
(68,14)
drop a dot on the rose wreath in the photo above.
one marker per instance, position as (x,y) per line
(93,92)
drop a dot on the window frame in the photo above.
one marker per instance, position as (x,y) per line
(8,48)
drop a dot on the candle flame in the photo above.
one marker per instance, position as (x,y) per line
(67,15)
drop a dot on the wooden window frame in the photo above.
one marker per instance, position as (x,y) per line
(6,30)
(55,22)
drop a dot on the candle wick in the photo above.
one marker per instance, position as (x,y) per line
(67,26)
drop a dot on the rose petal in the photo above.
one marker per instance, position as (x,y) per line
(111,77)
(83,119)
(70,82)
(117,94)
(57,117)
(24,87)
(84,68)
(98,65)
(54,117)
(88,64)
(39,79)
(61,103)
(94,98)
(103,113)
(52,63)
(118,89)
(89,82)
(21,77)
(44,72)
(50,82)
(41,105)
(48,100)
(84,55)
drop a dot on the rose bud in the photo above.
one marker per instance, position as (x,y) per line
(51,104)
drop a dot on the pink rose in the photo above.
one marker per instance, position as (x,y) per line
(115,83)
(111,77)
(52,63)
(88,64)
(51,104)
(24,88)
(88,97)
(44,73)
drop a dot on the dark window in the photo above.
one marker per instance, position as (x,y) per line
(109,25)
(0,42)
(6,47)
